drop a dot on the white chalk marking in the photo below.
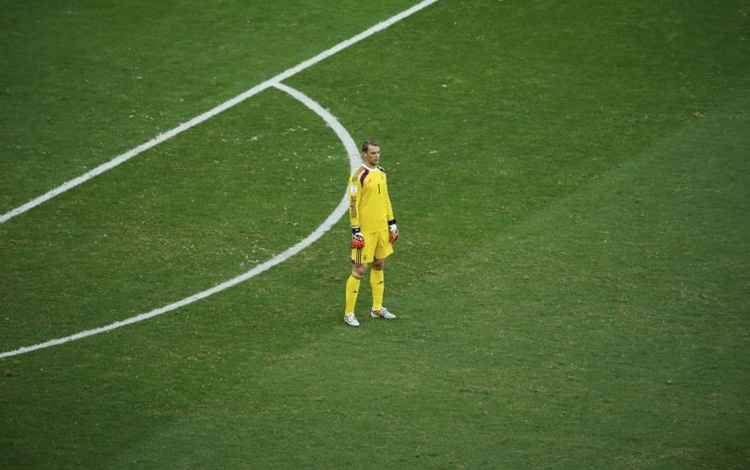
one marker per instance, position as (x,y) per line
(118,160)
(354,161)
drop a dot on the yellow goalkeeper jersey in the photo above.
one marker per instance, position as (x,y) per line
(370,207)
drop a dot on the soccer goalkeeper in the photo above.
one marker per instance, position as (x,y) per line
(374,232)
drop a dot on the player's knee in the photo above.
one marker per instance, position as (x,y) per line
(358,270)
(378,264)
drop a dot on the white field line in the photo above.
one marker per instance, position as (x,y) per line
(213,112)
(354,161)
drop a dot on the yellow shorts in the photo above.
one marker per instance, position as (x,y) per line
(377,246)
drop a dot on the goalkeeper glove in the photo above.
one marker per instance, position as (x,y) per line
(392,231)
(358,240)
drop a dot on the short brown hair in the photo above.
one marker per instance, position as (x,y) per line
(367,143)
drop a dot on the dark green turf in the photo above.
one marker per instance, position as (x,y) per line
(182,211)
(571,182)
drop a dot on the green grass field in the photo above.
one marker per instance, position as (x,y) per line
(571,181)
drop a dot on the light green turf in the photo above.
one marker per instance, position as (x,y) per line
(571,183)
(88,80)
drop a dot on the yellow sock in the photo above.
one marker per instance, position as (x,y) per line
(352,289)
(377,283)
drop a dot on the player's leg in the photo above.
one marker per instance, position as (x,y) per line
(360,259)
(377,284)
(377,278)
(352,291)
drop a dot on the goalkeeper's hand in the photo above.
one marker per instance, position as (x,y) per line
(358,240)
(392,232)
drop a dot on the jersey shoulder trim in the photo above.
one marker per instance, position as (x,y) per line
(360,175)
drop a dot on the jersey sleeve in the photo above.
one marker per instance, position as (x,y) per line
(388,207)
(355,197)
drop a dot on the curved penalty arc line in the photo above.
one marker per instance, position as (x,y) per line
(333,217)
